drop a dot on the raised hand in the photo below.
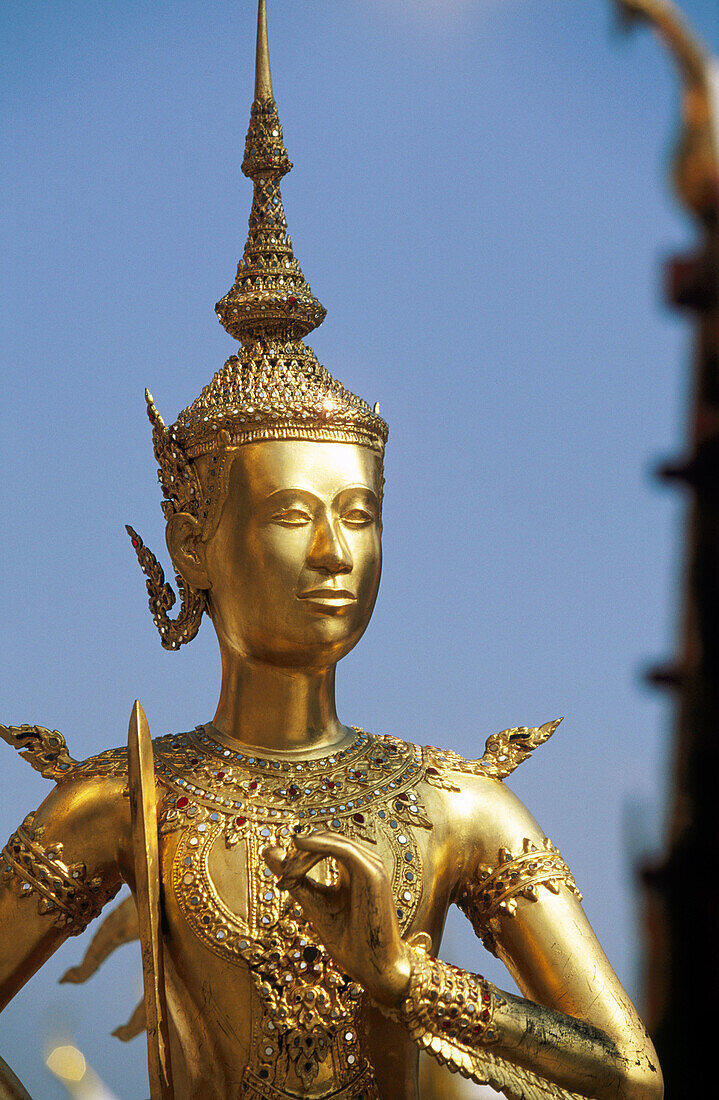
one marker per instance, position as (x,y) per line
(356,919)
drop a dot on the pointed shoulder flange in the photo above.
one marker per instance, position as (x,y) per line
(45,750)
(503,752)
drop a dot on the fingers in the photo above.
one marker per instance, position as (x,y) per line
(290,864)
(352,854)
(319,902)
(292,867)
(360,868)
(275,859)
(297,866)
(423,940)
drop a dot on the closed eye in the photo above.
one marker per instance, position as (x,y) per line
(357,517)
(292,517)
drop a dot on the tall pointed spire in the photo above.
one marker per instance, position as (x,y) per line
(263,76)
(270,297)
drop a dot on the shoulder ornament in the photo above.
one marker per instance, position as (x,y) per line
(503,753)
(45,750)
(112,763)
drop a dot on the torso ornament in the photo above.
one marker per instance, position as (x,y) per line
(228,807)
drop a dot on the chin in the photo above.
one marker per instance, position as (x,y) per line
(326,643)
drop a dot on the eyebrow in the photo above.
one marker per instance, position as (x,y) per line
(278,496)
(364,490)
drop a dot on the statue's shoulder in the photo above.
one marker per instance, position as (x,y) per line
(47,752)
(503,753)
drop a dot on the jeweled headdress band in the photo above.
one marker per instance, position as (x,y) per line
(273,389)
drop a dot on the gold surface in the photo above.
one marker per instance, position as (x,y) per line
(284,947)
(305,868)
(143,814)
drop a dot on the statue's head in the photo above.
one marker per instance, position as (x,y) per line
(291,568)
(272,478)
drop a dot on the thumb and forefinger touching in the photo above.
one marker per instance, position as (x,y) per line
(309,849)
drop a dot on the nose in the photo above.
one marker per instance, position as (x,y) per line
(329,553)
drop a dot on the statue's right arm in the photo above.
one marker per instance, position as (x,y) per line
(58,870)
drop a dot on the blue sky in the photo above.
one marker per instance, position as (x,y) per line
(479,200)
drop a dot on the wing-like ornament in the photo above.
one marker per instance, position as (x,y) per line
(45,750)
(503,753)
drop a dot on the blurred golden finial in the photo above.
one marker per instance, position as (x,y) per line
(696,165)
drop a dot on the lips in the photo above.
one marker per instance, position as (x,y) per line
(329,597)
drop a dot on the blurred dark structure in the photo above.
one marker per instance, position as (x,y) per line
(681,889)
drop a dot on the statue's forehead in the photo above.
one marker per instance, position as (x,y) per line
(324,468)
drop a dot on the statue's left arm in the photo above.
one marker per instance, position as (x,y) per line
(574,1033)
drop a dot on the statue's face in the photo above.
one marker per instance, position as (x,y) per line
(295,562)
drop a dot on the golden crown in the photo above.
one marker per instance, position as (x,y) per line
(274,388)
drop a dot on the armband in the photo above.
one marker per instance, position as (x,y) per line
(62,890)
(498,889)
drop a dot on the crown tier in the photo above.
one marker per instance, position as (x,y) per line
(276,390)
(270,296)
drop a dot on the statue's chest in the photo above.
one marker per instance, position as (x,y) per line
(228,808)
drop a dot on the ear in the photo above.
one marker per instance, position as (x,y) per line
(182,535)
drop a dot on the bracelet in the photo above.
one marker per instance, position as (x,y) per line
(447,1009)
(450,1014)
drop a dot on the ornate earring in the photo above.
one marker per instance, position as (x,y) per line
(173,632)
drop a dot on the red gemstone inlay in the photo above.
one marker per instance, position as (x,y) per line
(292,300)
(330,784)
(432,771)
(220,775)
(182,802)
(254,785)
(240,820)
(135,543)
(359,818)
(485,1014)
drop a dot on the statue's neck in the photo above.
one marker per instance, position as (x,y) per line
(278,709)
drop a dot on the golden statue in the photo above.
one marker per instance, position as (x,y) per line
(291,874)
